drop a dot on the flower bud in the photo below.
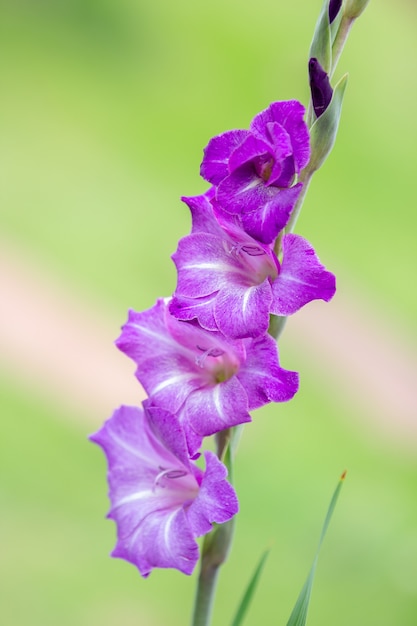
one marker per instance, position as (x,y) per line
(324,130)
(354,8)
(334,8)
(321,91)
(321,46)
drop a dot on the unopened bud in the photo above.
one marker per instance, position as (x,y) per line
(334,8)
(321,91)
(324,130)
(353,8)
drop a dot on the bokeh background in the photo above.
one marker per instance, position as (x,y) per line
(105,107)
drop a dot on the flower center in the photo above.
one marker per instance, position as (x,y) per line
(176,481)
(219,364)
(266,169)
(258,264)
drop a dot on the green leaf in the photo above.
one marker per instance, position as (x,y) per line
(299,613)
(247,597)
(321,46)
(324,130)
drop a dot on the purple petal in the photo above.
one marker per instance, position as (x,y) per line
(188,309)
(203,219)
(273,215)
(160,501)
(216,501)
(160,540)
(217,153)
(302,277)
(223,281)
(148,511)
(162,363)
(215,408)
(290,114)
(243,312)
(263,378)
(204,265)
(250,148)
(282,172)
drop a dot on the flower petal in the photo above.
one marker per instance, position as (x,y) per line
(302,277)
(216,500)
(263,378)
(215,165)
(290,114)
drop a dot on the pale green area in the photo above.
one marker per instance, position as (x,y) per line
(104,110)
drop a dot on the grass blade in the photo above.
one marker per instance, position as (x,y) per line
(299,613)
(247,597)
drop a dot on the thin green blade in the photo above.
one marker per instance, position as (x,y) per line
(299,613)
(247,597)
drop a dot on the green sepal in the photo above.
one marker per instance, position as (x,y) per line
(299,613)
(334,26)
(321,46)
(353,8)
(250,590)
(324,130)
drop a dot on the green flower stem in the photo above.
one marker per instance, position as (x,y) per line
(305,178)
(276,325)
(216,544)
(215,549)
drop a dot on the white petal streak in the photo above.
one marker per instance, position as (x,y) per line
(245,301)
(167,528)
(174,380)
(217,403)
(133,497)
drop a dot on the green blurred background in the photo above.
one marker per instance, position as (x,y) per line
(105,107)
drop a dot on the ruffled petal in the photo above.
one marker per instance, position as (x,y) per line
(215,165)
(262,376)
(216,500)
(290,114)
(159,500)
(250,148)
(188,309)
(273,213)
(302,277)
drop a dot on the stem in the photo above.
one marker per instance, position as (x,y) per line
(214,553)
(305,178)
(276,325)
(216,544)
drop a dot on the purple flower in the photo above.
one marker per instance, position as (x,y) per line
(160,500)
(230,282)
(210,382)
(255,170)
(321,90)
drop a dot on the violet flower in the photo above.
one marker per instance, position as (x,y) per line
(255,170)
(160,500)
(230,282)
(210,382)
(321,90)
